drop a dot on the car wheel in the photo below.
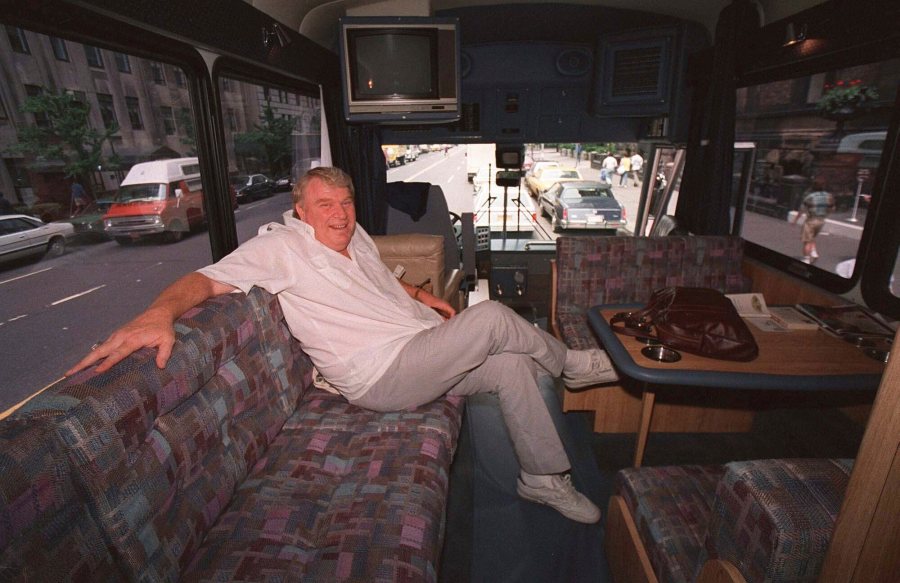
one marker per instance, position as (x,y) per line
(555,224)
(175,233)
(56,247)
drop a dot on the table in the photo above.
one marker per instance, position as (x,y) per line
(798,360)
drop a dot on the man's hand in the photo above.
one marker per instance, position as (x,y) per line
(151,329)
(154,328)
(437,304)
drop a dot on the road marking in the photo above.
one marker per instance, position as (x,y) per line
(26,275)
(452,176)
(78,295)
(17,318)
(441,161)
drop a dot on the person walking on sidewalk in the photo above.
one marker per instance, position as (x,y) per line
(637,165)
(816,206)
(624,168)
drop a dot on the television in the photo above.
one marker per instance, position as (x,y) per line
(400,69)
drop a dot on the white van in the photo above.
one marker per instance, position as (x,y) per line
(163,197)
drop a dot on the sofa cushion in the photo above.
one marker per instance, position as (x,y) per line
(671,507)
(160,452)
(773,519)
(343,494)
(47,532)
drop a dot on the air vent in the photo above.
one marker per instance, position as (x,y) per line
(636,72)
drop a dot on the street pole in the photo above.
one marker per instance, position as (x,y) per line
(859,183)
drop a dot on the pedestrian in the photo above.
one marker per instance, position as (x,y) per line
(637,167)
(329,279)
(816,206)
(624,168)
(6,207)
(79,198)
(608,168)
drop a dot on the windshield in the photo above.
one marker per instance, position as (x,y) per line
(556,174)
(141,192)
(240,180)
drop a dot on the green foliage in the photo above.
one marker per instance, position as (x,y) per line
(272,136)
(844,95)
(67,135)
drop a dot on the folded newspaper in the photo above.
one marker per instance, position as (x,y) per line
(753,307)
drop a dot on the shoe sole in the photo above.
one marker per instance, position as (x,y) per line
(526,496)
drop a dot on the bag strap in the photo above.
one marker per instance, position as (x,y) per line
(633,324)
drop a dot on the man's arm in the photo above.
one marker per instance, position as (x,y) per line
(430,300)
(155,326)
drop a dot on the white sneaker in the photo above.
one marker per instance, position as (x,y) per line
(601,371)
(807,259)
(559,494)
(814,254)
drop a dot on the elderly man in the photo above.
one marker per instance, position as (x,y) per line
(331,284)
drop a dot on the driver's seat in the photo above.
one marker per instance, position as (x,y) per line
(420,208)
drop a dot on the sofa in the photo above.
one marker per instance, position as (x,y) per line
(748,521)
(227,465)
(595,270)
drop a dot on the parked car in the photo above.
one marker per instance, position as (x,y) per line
(394,155)
(538,165)
(412,153)
(88,223)
(251,187)
(283,183)
(23,236)
(584,204)
(543,178)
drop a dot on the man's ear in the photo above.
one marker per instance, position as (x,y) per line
(298,212)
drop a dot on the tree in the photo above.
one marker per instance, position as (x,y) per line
(273,137)
(64,133)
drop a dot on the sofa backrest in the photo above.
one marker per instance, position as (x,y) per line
(621,270)
(156,454)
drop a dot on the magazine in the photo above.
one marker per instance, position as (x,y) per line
(846,319)
(791,318)
(751,305)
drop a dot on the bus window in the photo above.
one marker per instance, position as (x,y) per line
(272,136)
(823,132)
(70,138)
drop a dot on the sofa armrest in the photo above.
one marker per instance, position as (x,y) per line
(773,519)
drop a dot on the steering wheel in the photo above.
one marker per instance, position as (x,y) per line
(456,225)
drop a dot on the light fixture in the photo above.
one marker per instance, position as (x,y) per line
(275,36)
(794,35)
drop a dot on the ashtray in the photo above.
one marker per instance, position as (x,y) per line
(660,353)
(647,340)
(878,354)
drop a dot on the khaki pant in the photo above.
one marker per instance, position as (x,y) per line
(486,348)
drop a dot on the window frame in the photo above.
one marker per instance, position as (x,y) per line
(59,46)
(93,56)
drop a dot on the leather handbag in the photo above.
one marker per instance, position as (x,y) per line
(697,320)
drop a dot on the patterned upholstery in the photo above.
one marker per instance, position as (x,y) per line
(150,466)
(622,270)
(671,507)
(772,519)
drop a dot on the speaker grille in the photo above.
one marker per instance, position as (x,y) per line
(573,62)
(636,72)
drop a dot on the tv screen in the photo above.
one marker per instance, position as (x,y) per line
(393,64)
(400,69)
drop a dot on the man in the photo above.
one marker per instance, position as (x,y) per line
(330,282)
(816,205)
(637,165)
(608,168)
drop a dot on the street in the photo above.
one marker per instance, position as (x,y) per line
(53,310)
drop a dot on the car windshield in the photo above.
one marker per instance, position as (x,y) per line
(556,174)
(141,192)
(240,180)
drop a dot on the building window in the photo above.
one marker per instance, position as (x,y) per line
(93,56)
(180,81)
(157,73)
(231,117)
(40,118)
(80,96)
(60,50)
(134,113)
(123,64)
(107,110)
(17,40)
(168,120)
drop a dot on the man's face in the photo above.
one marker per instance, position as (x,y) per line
(330,212)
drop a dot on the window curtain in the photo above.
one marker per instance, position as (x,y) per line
(704,198)
(356,149)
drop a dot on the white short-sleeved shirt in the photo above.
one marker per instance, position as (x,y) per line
(351,316)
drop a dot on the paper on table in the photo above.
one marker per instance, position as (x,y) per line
(750,305)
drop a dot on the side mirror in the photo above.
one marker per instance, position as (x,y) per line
(178,193)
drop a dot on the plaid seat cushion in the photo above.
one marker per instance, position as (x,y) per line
(671,508)
(774,519)
(343,494)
